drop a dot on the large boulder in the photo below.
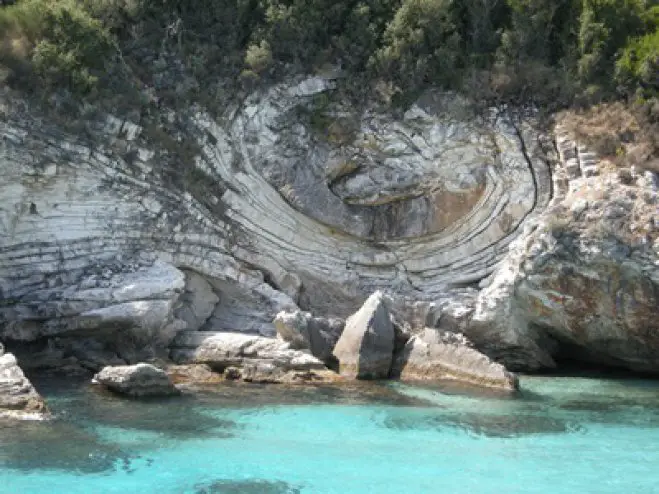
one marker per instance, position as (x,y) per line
(250,357)
(366,346)
(437,355)
(303,331)
(136,380)
(18,398)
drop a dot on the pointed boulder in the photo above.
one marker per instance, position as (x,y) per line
(366,346)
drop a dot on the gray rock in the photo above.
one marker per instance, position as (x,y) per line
(365,348)
(18,398)
(303,331)
(254,358)
(136,380)
(198,301)
(436,355)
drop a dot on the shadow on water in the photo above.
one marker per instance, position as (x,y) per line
(58,446)
(246,487)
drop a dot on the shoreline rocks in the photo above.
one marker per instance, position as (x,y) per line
(18,398)
(439,356)
(251,358)
(140,380)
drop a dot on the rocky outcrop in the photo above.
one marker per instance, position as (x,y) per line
(303,331)
(583,282)
(111,246)
(249,357)
(272,214)
(439,356)
(18,398)
(365,349)
(136,380)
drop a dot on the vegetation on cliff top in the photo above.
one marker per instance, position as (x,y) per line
(549,53)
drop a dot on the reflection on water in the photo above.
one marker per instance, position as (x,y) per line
(362,437)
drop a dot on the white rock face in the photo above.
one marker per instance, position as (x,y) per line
(94,238)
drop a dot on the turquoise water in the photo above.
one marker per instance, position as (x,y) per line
(560,435)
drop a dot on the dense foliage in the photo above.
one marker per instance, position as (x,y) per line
(546,52)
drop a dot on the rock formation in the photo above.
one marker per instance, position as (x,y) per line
(248,357)
(365,349)
(455,216)
(18,398)
(136,380)
(303,331)
(438,356)
(583,282)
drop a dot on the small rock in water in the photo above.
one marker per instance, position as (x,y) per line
(136,380)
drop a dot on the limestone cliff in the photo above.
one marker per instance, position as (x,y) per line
(291,204)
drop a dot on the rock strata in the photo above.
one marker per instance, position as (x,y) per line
(18,398)
(535,250)
(438,356)
(366,346)
(136,380)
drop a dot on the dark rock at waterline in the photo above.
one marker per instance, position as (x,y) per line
(136,380)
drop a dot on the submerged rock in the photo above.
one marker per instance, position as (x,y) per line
(18,398)
(252,486)
(366,346)
(446,356)
(136,380)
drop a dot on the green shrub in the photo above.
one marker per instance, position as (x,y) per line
(58,41)
(258,57)
(639,64)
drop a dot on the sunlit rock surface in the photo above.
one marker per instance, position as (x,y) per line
(279,214)
(18,398)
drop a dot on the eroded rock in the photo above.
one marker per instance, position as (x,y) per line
(303,331)
(366,346)
(136,380)
(248,357)
(436,355)
(18,398)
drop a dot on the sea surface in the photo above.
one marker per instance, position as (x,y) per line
(558,435)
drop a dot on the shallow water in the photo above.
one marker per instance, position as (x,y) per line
(559,435)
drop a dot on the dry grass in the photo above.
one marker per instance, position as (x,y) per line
(627,135)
